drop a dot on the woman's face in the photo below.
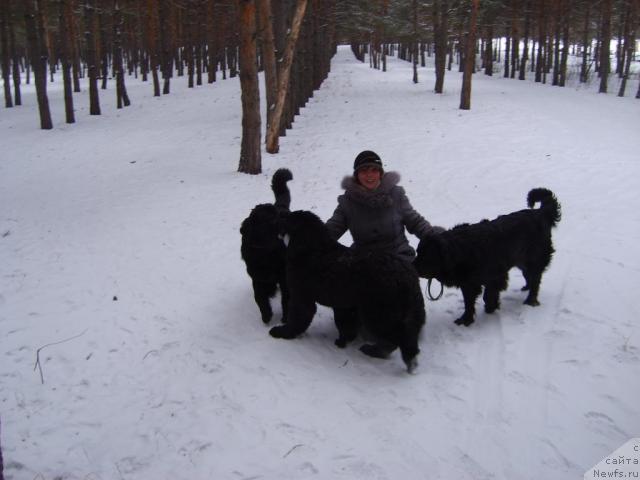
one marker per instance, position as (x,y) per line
(369,177)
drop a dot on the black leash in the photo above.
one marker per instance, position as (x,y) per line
(431,297)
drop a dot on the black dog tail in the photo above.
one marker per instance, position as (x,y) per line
(548,204)
(280,189)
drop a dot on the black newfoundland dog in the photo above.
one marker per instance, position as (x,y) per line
(481,254)
(383,288)
(263,251)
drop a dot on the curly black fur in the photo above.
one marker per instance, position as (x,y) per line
(263,251)
(382,287)
(481,254)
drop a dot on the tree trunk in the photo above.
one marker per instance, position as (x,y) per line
(488,52)
(515,44)
(525,48)
(121,90)
(269,54)
(586,43)
(605,62)
(565,46)
(166,56)
(103,50)
(6,67)
(556,47)
(507,53)
(212,47)
(17,97)
(65,57)
(629,44)
(542,40)
(470,58)
(89,33)
(38,55)
(152,43)
(250,160)
(414,46)
(441,28)
(284,77)
(75,49)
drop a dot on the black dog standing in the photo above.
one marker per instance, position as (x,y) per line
(481,254)
(263,251)
(382,286)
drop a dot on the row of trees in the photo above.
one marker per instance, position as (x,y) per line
(538,35)
(293,41)
(157,39)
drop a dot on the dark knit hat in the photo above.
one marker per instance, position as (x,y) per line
(367,159)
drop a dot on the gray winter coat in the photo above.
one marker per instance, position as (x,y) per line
(377,219)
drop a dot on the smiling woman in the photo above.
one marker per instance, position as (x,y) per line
(376,210)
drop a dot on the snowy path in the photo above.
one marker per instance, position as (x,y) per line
(178,378)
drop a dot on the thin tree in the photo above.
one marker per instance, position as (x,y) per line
(250,158)
(414,40)
(152,43)
(269,56)
(4,44)
(440,32)
(65,57)
(15,58)
(525,41)
(629,44)
(38,55)
(470,57)
(92,70)
(605,61)
(121,90)
(283,77)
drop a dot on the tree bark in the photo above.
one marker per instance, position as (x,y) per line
(441,29)
(585,45)
(269,53)
(152,43)
(629,43)
(89,34)
(605,62)
(470,58)
(38,55)
(284,77)
(65,57)
(121,90)
(6,67)
(250,158)
(17,97)
(525,46)
(414,42)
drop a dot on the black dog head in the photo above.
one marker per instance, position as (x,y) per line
(305,232)
(432,259)
(261,228)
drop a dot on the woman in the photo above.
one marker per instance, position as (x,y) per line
(376,210)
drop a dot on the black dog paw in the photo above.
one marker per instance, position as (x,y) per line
(412,365)
(340,343)
(375,351)
(266,319)
(491,308)
(463,321)
(533,303)
(282,331)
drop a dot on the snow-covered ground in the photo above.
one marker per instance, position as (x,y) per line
(119,238)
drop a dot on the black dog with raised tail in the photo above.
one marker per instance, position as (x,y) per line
(262,249)
(481,254)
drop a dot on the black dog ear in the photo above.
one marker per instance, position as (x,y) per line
(445,254)
(244,228)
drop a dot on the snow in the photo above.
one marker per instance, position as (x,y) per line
(123,232)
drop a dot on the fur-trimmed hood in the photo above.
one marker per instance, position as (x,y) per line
(379,198)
